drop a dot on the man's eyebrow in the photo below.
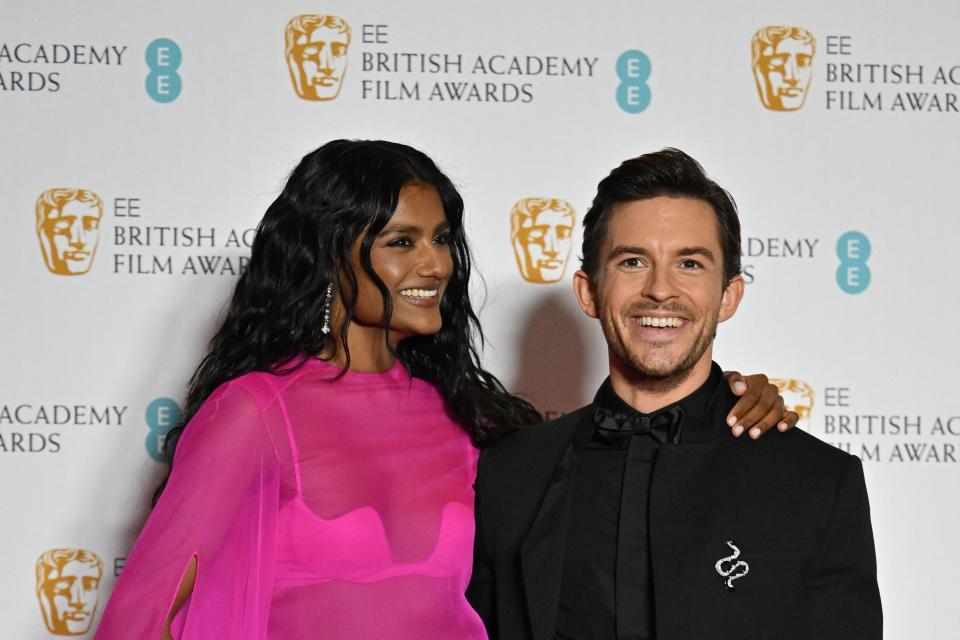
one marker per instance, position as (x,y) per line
(620,250)
(698,251)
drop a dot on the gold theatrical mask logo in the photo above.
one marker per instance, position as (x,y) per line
(541,232)
(797,397)
(68,588)
(783,66)
(68,226)
(316,53)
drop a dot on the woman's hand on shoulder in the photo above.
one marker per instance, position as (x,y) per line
(760,406)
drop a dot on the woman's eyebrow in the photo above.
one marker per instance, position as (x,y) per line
(401,228)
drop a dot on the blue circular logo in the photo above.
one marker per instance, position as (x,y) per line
(853,246)
(162,415)
(163,54)
(163,87)
(163,59)
(633,92)
(853,274)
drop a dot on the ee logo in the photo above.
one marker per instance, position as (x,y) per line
(633,92)
(162,415)
(853,274)
(163,59)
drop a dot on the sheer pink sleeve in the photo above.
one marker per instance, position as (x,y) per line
(219,506)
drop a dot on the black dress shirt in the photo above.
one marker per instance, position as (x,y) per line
(608,524)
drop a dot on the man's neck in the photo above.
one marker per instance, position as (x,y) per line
(647,394)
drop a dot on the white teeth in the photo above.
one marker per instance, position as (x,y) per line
(419,293)
(654,321)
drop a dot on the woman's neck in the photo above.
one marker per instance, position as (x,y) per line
(368,350)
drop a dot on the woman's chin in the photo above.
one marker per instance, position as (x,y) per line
(399,334)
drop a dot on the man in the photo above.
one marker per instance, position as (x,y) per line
(541,232)
(68,588)
(315,47)
(782,61)
(638,516)
(68,227)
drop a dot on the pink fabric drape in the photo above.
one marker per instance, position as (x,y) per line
(315,509)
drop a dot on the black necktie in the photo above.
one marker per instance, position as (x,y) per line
(615,428)
(633,579)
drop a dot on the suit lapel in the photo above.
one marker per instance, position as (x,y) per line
(543,548)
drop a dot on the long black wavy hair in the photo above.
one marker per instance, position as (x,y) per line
(345,189)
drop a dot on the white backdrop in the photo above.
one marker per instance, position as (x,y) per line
(205,146)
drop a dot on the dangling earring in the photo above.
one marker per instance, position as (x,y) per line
(326,309)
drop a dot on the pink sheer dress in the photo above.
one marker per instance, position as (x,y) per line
(315,509)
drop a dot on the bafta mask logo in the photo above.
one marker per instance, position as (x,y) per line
(541,231)
(797,397)
(68,588)
(782,66)
(68,226)
(316,52)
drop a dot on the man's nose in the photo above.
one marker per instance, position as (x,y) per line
(659,285)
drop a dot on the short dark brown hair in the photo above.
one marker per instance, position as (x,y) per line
(670,173)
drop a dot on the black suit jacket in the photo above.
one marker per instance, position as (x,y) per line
(795,506)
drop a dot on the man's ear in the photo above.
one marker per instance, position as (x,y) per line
(732,294)
(586,296)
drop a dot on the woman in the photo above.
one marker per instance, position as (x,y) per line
(322,487)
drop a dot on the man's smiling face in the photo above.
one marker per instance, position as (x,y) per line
(659,291)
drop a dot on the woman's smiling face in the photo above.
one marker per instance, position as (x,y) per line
(411,255)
